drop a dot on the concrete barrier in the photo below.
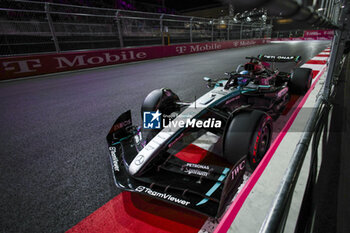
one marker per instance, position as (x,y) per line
(30,65)
(310,35)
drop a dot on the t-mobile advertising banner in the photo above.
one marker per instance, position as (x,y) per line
(319,34)
(311,35)
(23,66)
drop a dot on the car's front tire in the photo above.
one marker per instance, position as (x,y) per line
(163,100)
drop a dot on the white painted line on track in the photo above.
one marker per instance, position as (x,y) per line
(320,58)
(313,66)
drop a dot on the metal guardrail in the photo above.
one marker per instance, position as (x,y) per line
(34,27)
(287,34)
(277,216)
(316,13)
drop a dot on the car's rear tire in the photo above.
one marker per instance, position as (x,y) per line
(300,80)
(248,134)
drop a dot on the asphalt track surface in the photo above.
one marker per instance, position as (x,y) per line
(54,165)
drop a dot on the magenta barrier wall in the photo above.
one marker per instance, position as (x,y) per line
(311,35)
(319,34)
(23,66)
(301,38)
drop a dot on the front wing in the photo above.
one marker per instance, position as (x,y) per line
(203,188)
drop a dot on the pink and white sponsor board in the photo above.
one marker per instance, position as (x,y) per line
(319,34)
(23,66)
(310,35)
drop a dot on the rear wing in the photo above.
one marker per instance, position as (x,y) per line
(272,58)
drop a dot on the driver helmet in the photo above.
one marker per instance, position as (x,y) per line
(242,81)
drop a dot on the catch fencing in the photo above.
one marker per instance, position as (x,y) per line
(28,27)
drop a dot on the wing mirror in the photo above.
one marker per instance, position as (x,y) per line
(207,79)
(210,83)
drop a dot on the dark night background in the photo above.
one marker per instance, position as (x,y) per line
(159,6)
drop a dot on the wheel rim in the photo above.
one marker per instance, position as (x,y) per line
(264,142)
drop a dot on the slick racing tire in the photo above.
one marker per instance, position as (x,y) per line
(248,134)
(300,81)
(163,100)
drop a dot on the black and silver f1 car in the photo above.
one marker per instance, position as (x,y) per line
(197,153)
